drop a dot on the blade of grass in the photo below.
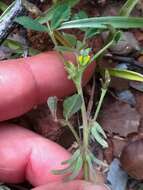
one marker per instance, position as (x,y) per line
(126,74)
(128,7)
(117,22)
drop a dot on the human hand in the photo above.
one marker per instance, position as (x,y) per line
(26,155)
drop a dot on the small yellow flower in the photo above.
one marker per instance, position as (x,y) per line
(84,60)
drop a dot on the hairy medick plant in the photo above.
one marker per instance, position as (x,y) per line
(83,158)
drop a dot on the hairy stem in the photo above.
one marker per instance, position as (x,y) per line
(60,38)
(100,52)
(74,133)
(86,171)
(85,132)
(51,33)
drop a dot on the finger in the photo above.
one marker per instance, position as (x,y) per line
(26,155)
(27,82)
(73,185)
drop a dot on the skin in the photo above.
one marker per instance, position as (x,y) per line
(27,155)
(27,82)
(73,185)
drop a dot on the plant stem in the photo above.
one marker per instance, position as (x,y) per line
(85,132)
(59,37)
(86,170)
(56,35)
(103,93)
(52,35)
(128,7)
(84,117)
(74,133)
(102,50)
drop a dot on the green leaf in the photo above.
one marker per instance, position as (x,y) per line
(97,161)
(98,134)
(73,157)
(128,7)
(71,3)
(126,74)
(75,165)
(62,13)
(72,105)
(64,48)
(12,44)
(63,171)
(18,48)
(76,170)
(92,32)
(80,15)
(31,24)
(46,16)
(33,51)
(56,14)
(99,129)
(79,45)
(102,22)
(52,104)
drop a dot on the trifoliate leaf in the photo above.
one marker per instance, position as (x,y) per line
(72,105)
(31,24)
(98,134)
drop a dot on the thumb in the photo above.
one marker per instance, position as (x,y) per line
(73,185)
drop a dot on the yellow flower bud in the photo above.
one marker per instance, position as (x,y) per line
(84,60)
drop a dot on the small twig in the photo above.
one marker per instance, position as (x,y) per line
(7,19)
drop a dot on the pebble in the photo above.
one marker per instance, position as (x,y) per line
(126,45)
(127,96)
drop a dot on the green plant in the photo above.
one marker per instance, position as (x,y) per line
(54,21)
